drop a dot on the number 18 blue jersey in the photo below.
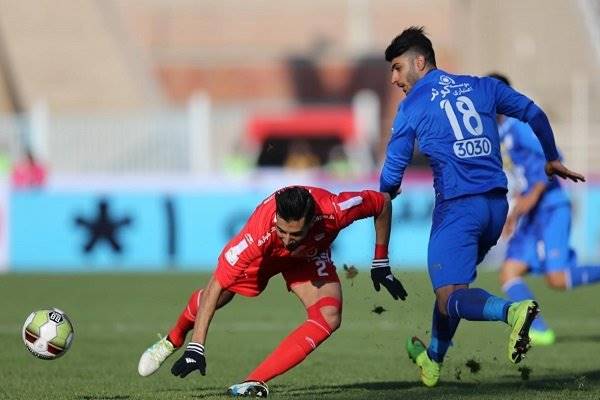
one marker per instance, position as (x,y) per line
(453,118)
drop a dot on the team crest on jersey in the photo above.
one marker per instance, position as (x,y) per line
(449,85)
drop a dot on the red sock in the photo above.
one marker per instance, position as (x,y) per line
(290,352)
(185,322)
(299,344)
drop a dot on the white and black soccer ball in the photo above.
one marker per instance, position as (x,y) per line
(48,333)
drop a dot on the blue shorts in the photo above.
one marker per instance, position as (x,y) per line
(463,231)
(541,240)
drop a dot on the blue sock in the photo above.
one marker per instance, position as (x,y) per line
(477,305)
(442,331)
(584,275)
(517,290)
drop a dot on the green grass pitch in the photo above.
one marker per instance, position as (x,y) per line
(117,316)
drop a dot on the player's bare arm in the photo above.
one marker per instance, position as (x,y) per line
(206,309)
(193,358)
(523,205)
(383,222)
(381,273)
(527,202)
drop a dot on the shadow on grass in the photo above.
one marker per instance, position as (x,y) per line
(579,385)
(584,382)
(578,338)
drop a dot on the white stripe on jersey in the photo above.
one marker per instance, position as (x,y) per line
(351,202)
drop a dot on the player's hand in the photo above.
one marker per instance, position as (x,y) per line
(557,168)
(382,275)
(191,360)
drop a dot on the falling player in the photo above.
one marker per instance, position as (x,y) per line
(289,233)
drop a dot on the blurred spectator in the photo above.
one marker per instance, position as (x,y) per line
(338,165)
(28,172)
(4,164)
(238,162)
(300,156)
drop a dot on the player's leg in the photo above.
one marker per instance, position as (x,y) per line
(323,303)
(476,224)
(517,290)
(430,359)
(520,315)
(562,271)
(446,238)
(317,285)
(155,355)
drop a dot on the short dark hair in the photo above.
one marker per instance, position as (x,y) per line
(413,39)
(500,77)
(294,203)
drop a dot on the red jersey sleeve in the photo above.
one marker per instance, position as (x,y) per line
(352,206)
(243,250)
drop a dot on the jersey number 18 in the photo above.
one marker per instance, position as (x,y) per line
(465,148)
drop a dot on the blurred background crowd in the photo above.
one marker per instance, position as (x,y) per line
(136,102)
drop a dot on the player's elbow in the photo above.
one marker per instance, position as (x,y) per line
(533,113)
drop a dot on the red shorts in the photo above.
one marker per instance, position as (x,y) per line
(255,277)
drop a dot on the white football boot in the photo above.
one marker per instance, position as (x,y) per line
(154,356)
(249,389)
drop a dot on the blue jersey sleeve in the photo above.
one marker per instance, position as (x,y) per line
(514,104)
(534,170)
(398,156)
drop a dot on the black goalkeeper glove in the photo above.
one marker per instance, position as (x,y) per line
(382,275)
(192,359)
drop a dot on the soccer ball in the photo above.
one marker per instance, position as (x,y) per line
(48,333)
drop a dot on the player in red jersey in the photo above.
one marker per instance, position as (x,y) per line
(289,233)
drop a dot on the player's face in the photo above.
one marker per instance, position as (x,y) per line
(404,71)
(291,233)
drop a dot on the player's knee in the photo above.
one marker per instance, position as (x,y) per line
(332,316)
(442,304)
(327,312)
(510,271)
(556,281)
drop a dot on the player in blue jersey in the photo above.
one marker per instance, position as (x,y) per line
(453,117)
(540,224)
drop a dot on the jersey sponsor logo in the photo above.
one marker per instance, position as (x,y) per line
(351,202)
(233,254)
(472,148)
(263,239)
(449,85)
(324,216)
